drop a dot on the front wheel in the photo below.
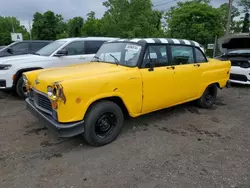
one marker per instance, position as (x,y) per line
(209,97)
(21,88)
(103,123)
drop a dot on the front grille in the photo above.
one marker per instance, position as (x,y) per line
(2,83)
(242,64)
(238,77)
(42,102)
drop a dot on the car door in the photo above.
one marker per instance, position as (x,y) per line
(187,72)
(76,54)
(158,79)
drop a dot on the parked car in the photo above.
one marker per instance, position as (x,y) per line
(23,47)
(1,47)
(58,53)
(236,48)
(135,76)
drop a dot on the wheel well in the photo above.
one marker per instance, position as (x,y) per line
(217,84)
(20,72)
(116,100)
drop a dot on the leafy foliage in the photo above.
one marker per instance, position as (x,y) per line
(44,26)
(75,27)
(92,26)
(134,18)
(191,19)
(6,28)
(234,25)
(246,24)
(196,20)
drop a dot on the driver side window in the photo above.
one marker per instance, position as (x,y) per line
(75,48)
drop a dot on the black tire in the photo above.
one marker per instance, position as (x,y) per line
(20,89)
(103,116)
(209,97)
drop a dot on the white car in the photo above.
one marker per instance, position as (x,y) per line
(236,48)
(62,52)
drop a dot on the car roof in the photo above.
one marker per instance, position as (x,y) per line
(87,39)
(144,41)
(35,41)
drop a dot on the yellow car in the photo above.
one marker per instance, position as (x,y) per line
(133,77)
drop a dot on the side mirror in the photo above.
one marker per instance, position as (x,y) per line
(61,53)
(9,50)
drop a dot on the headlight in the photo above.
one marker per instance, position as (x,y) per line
(55,92)
(25,80)
(5,67)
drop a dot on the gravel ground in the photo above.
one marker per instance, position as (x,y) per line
(180,147)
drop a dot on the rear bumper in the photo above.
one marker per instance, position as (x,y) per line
(64,130)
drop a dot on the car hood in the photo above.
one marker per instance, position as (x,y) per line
(233,42)
(29,58)
(49,76)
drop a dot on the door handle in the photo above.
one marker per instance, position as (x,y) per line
(82,58)
(171,67)
(197,65)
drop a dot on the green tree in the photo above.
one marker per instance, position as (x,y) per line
(195,20)
(44,26)
(234,25)
(75,27)
(245,28)
(7,24)
(61,27)
(131,18)
(92,26)
(245,4)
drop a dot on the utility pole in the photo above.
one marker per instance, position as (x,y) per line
(12,23)
(229,16)
(30,31)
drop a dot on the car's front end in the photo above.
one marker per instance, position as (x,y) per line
(240,66)
(236,49)
(6,80)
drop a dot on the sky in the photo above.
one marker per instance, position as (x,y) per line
(24,9)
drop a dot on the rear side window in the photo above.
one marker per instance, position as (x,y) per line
(75,48)
(35,46)
(200,58)
(91,47)
(182,55)
(20,47)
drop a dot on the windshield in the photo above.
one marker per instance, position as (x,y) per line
(239,52)
(50,48)
(125,54)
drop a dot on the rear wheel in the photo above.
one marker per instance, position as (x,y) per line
(103,123)
(209,97)
(21,88)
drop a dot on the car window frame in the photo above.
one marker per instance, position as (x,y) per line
(141,64)
(85,49)
(34,43)
(184,45)
(63,47)
(28,49)
(201,53)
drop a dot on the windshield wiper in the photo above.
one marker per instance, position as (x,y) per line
(98,58)
(35,53)
(116,60)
